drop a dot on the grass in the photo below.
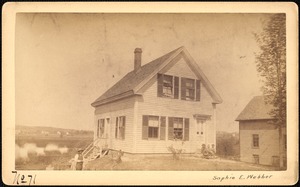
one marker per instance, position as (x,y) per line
(165,163)
(129,162)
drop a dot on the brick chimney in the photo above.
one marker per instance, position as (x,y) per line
(137,58)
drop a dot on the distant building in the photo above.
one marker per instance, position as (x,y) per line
(259,136)
(165,101)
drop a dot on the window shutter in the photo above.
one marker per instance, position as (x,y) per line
(145,128)
(186,129)
(123,128)
(162,128)
(197,90)
(183,95)
(176,87)
(160,82)
(116,129)
(170,129)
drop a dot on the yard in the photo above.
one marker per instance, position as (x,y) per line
(166,162)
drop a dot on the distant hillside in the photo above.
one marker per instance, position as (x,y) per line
(21,129)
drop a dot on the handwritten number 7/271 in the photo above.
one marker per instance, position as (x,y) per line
(23,178)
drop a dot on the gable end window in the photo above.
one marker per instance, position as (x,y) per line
(190,89)
(120,127)
(168,86)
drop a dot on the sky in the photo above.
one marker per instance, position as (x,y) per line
(66,61)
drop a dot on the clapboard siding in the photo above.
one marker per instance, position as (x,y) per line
(124,107)
(268,141)
(150,104)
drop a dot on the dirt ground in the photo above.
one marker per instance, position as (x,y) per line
(166,162)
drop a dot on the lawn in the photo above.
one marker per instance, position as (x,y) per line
(185,163)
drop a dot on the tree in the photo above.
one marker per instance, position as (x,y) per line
(271,65)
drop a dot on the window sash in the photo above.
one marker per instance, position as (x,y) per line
(153,132)
(120,127)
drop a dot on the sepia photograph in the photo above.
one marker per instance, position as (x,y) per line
(153,92)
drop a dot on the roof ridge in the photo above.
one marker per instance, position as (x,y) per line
(133,78)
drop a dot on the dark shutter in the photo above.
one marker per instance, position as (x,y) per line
(176,87)
(183,95)
(170,129)
(162,128)
(197,90)
(186,129)
(116,129)
(145,128)
(123,128)
(160,82)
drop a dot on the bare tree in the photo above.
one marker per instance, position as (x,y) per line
(271,65)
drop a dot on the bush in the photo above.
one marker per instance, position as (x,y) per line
(176,152)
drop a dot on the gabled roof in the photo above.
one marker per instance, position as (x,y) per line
(256,109)
(132,81)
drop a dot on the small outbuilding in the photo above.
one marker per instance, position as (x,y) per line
(259,136)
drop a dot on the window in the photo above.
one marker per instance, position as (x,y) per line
(256,159)
(100,128)
(168,86)
(154,127)
(255,141)
(190,89)
(178,128)
(120,127)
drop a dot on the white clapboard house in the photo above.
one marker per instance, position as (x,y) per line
(161,103)
(259,136)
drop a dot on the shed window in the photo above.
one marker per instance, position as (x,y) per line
(255,141)
(256,159)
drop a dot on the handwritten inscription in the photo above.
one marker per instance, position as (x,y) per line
(23,179)
(241,177)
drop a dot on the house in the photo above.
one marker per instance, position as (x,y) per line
(165,102)
(259,136)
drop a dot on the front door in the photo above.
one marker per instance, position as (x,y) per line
(200,133)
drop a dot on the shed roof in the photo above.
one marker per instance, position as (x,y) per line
(256,109)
